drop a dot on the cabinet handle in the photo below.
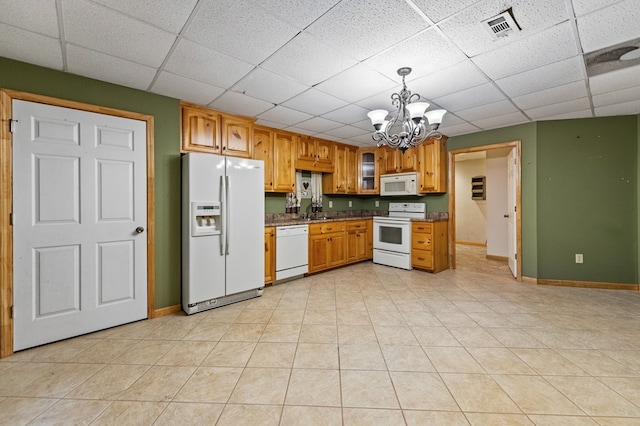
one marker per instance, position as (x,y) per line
(329,229)
(421,258)
(421,242)
(266,247)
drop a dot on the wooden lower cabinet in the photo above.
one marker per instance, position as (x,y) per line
(327,245)
(429,250)
(357,241)
(269,254)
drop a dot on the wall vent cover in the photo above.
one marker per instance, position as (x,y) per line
(501,25)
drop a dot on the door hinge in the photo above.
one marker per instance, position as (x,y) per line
(11,313)
(515,256)
(10,219)
(12,125)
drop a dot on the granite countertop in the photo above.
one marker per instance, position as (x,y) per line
(286,219)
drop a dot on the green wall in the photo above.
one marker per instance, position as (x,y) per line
(527,133)
(166,111)
(587,199)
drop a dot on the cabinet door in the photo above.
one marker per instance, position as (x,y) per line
(263,150)
(369,239)
(324,155)
(318,252)
(361,244)
(284,171)
(236,137)
(389,160)
(200,130)
(339,180)
(408,161)
(337,249)
(269,255)
(352,246)
(368,171)
(305,153)
(351,169)
(433,166)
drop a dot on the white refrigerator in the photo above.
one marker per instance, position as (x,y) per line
(222,230)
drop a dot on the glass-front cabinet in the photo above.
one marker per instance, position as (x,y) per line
(368,171)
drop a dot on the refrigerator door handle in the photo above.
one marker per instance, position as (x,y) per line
(224,228)
(228,218)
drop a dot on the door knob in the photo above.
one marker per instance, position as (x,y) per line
(506,215)
(139,230)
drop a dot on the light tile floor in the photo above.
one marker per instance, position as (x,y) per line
(361,345)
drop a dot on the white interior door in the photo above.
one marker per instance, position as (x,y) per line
(511,206)
(79,222)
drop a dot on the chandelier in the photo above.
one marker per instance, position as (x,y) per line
(411,124)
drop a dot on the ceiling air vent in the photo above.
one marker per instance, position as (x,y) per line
(501,25)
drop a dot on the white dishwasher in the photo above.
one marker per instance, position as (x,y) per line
(292,251)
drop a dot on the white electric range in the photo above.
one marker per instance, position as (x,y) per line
(392,234)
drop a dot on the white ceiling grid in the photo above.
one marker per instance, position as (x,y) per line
(318,66)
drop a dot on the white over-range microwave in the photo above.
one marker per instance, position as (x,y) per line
(399,184)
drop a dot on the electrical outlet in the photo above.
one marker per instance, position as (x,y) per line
(330,204)
(579,258)
(350,203)
(377,203)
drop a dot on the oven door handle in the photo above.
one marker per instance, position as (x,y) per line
(390,222)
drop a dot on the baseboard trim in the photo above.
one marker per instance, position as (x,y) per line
(589,284)
(169,310)
(504,259)
(471,243)
(529,280)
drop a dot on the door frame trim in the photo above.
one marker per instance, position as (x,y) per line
(6,198)
(517,145)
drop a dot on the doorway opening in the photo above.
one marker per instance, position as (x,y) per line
(501,216)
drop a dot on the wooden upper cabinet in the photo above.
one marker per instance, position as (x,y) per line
(351,169)
(314,155)
(200,130)
(395,161)
(263,150)
(433,165)
(284,171)
(277,150)
(368,171)
(343,180)
(236,137)
(206,130)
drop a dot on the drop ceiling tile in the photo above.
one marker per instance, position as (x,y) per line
(438,53)
(114,33)
(437,11)
(284,115)
(364,124)
(356,83)
(627,108)
(170,15)
(610,25)
(25,46)
(185,89)
(318,124)
(486,111)
(237,103)
(502,121)
(617,80)
(347,115)
(308,60)
(449,80)
(540,49)
(237,28)
(548,76)
(620,96)
(363,140)
(555,95)
(363,28)
(203,64)
(108,68)
(459,129)
(469,34)
(469,98)
(301,131)
(271,124)
(582,7)
(40,17)
(347,132)
(585,113)
(556,109)
(300,13)
(268,86)
(314,102)
(382,100)
(451,119)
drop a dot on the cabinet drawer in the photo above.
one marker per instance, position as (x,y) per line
(425,227)
(421,241)
(354,225)
(324,228)
(422,259)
